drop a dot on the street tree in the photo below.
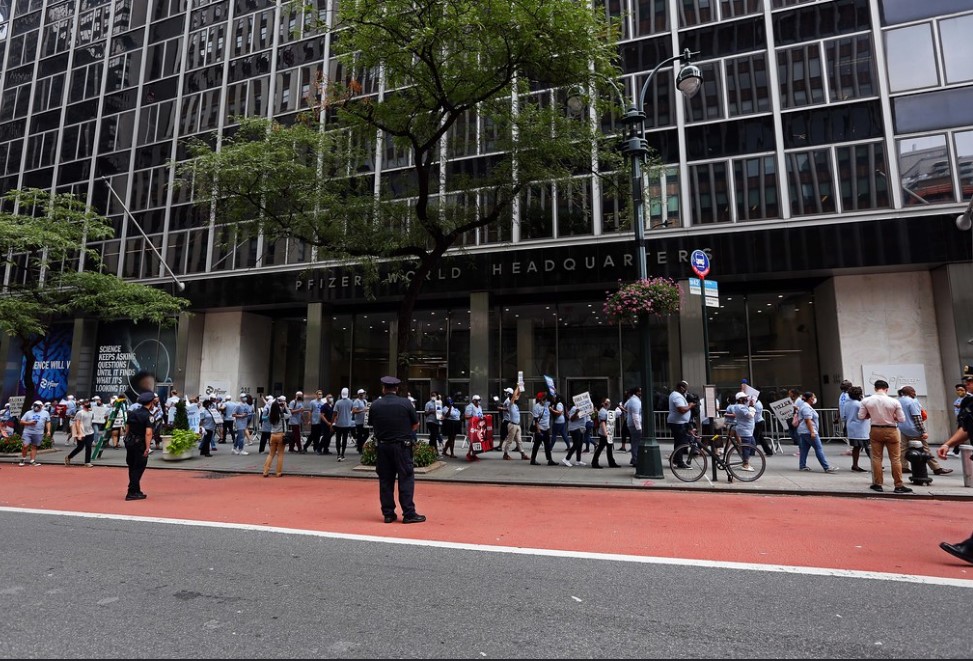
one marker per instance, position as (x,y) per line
(418,81)
(43,238)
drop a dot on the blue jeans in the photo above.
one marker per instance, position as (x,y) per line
(238,438)
(746,448)
(806,443)
(635,440)
(560,429)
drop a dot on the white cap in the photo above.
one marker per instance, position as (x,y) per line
(361,390)
(98,397)
(475,397)
(243,395)
(508,391)
(282,399)
(742,395)
(298,393)
(70,397)
(38,403)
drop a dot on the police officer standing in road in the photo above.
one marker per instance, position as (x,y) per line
(138,440)
(394,420)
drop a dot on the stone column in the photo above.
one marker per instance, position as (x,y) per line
(189,352)
(317,363)
(84,352)
(691,366)
(479,343)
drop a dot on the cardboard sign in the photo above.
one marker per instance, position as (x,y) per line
(752,392)
(782,410)
(16,405)
(520,379)
(610,426)
(550,385)
(480,433)
(584,403)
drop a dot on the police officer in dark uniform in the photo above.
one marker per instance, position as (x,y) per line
(138,440)
(394,420)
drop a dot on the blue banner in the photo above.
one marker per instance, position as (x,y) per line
(52,361)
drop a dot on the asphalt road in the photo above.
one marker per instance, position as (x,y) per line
(237,566)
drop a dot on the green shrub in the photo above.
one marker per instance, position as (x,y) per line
(181,441)
(15,442)
(422,454)
(181,420)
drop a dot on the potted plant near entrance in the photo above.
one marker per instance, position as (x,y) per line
(183,441)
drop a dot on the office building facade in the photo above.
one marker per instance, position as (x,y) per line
(821,166)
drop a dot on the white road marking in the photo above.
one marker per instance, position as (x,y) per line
(554,553)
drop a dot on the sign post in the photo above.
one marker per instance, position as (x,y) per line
(700,263)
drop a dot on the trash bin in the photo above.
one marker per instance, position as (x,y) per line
(966,459)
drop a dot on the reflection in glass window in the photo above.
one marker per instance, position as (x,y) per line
(615,203)
(574,207)
(964,162)
(755,183)
(708,103)
(651,16)
(911,58)
(746,85)
(925,170)
(734,8)
(709,185)
(695,12)
(809,180)
(801,78)
(954,34)
(663,198)
(861,173)
(851,68)
(536,218)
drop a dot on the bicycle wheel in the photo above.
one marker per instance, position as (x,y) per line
(687,463)
(734,462)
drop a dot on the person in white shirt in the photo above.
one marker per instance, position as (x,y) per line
(884,413)
(633,418)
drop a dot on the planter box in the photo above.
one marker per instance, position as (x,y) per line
(188,454)
(418,471)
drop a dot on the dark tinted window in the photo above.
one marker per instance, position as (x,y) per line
(858,121)
(900,11)
(933,110)
(822,20)
(730,138)
(726,38)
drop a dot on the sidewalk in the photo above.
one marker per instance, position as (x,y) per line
(781,476)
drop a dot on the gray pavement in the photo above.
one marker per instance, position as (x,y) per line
(781,476)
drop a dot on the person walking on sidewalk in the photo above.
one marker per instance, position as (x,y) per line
(680,412)
(344,423)
(914,429)
(809,433)
(541,424)
(434,413)
(83,434)
(884,413)
(452,416)
(856,428)
(513,429)
(606,433)
(277,417)
(241,420)
(633,418)
(314,406)
(207,423)
(359,408)
(35,424)
(743,418)
(394,420)
(559,423)
(575,425)
(296,422)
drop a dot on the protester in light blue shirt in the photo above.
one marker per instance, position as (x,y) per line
(575,427)
(35,424)
(858,430)
(742,415)
(809,434)
(344,423)
(296,423)
(241,418)
(680,412)
(633,418)
(359,407)
(914,429)
(542,429)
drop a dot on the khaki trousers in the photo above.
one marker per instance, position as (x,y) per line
(885,438)
(513,436)
(276,449)
(904,447)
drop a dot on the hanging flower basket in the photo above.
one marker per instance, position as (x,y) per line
(658,296)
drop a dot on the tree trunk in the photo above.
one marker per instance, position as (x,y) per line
(408,305)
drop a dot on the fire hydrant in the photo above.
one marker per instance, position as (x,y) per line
(917,457)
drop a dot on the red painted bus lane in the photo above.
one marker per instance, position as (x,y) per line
(866,534)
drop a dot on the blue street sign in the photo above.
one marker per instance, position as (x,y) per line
(699,261)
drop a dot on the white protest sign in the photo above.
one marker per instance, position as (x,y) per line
(584,404)
(610,426)
(782,409)
(520,379)
(16,405)
(752,392)
(550,384)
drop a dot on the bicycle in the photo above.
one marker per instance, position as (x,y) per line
(689,461)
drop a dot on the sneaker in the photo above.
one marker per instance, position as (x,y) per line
(566,463)
(902,490)
(580,463)
(876,487)
(34,463)
(23,462)
(244,452)
(749,469)
(89,465)
(806,469)
(67,461)
(831,469)
(234,451)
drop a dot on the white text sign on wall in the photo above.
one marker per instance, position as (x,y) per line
(897,376)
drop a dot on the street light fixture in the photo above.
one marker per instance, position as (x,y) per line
(688,81)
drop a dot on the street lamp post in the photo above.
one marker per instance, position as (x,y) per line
(688,81)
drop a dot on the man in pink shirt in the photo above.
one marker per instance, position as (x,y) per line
(885,413)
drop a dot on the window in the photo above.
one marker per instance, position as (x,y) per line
(964,162)
(709,185)
(926,173)
(801,76)
(861,173)
(911,58)
(650,16)
(574,207)
(810,182)
(957,48)
(708,103)
(851,68)
(536,218)
(755,183)
(746,85)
